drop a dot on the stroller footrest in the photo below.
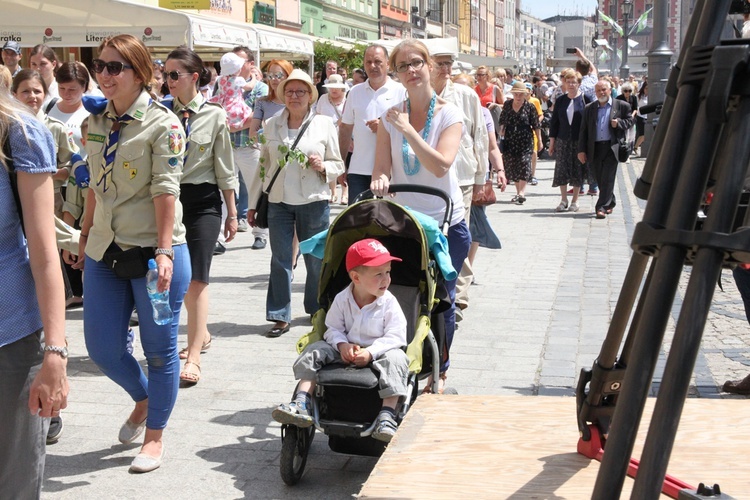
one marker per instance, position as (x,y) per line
(347,376)
(346,429)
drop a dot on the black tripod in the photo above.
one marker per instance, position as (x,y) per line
(701,143)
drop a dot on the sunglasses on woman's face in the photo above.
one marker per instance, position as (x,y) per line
(114,68)
(175,75)
(274,76)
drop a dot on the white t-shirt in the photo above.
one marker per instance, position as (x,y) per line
(73,122)
(362,105)
(427,204)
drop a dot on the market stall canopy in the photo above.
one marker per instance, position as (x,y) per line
(434,45)
(276,43)
(85,23)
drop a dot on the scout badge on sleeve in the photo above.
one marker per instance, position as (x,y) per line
(176,141)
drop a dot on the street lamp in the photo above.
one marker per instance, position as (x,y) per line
(627,11)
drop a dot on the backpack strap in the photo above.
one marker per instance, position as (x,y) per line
(51,105)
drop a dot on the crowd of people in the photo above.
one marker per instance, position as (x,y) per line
(168,160)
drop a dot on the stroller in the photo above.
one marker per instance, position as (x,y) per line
(345,403)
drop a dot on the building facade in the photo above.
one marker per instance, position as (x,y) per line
(536,43)
(574,31)
(344,20)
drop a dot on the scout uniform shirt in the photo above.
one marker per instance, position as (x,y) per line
(147,163)
(209,150)
(65,145)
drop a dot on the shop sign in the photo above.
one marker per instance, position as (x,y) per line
(10,36)
(264,14)
(353,33)
(185,4)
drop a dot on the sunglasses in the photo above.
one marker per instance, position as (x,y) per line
(627,91)
(481,74)
(274,76)
(416,65)
(175,75)
(296,93)
(114,68)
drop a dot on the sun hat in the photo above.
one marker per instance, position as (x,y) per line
(368,252)
(336,82)
(12,45)
(300,76)
(520,88)
(231,64)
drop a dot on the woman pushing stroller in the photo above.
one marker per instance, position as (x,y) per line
(365,324)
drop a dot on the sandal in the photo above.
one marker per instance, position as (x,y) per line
(562,207)
(514,199)
(278,331)
(189,375)
(441,384)
(205,347)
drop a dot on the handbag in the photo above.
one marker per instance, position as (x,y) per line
(486,196)
(128,264)
(623,150)
(261,208)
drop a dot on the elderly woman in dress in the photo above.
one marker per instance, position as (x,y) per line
(298,198)
(518,124)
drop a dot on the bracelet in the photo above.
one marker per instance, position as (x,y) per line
(84,235)
(232,218)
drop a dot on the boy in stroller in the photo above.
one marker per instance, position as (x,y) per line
(364,324)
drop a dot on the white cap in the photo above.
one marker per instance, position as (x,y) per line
(231,64)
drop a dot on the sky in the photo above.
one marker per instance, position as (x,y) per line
(543,9)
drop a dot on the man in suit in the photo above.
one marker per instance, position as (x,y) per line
(605,122)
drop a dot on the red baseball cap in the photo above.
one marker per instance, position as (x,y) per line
(368,252)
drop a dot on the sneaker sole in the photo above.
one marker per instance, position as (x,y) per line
(380,436)
(285,418)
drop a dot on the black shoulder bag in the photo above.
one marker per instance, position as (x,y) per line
(261,209)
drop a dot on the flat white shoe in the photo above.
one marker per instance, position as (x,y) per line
(129,431)
(573,207)
(146,463)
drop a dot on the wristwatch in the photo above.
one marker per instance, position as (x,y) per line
(165,251)
(62,351)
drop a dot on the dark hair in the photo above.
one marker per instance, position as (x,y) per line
(360,72)
(136,54)
(535,79)
(377,46)
(248,53)
(28,74)
(583,67)
(48,53)
(192,63)
(642,88)
(74,72)
(508,72)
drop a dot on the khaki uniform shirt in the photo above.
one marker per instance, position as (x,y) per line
(148,163)
(64,143)
(209,152)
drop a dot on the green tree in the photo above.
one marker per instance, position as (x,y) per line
(350,59)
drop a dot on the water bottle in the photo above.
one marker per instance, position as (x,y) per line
(159,300)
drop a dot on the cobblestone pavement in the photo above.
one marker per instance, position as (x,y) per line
(538,314)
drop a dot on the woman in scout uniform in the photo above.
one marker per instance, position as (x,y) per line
(135,149)
(30,89)
(209,167)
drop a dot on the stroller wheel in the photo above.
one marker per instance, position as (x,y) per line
(295,444)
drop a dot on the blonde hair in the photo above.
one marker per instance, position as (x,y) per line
(6,79)
(414,44)
(465,76)
(10,111)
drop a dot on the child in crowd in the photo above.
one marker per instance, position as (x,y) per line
(231,89)
(365,324)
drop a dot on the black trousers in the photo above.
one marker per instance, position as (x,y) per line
(604,168)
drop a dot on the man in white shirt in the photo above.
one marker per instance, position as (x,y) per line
(364,106)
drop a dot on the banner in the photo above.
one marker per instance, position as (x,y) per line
(610,21)
(185,4)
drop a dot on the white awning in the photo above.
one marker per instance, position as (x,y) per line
(274,40)
(85,23)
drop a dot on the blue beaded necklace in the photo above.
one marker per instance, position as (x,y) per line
(413,169)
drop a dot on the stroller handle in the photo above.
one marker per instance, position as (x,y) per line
(421,189)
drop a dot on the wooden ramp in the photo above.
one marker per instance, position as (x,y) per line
(525,447)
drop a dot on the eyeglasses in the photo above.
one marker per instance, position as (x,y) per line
(296,93)
(481,74)
(175,75)
(415,64)
(445,64)
(114,68)
(274,76)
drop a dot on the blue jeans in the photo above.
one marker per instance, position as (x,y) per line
(242,198)
(357,184)
(459,241)
(308,220)
(109,303)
